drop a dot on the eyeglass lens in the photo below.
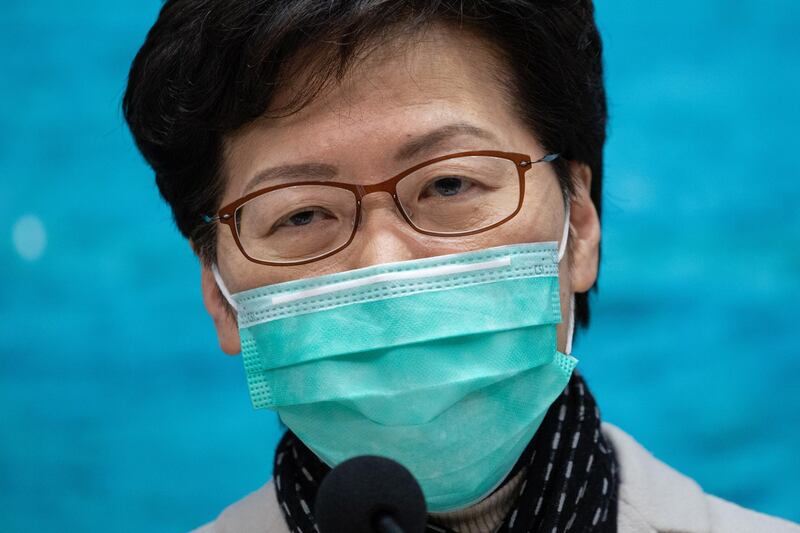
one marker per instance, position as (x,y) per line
(449,197)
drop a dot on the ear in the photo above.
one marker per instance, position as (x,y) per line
(221,313)
(584,249)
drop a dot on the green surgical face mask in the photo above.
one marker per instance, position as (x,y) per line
(446,364)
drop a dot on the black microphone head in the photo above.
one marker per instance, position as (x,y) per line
(358,491)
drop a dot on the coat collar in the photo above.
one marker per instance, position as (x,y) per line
(653,496)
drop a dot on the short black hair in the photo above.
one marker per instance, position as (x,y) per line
(208,67)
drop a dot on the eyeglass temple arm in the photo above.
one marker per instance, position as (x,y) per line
(216,218)
(547,158)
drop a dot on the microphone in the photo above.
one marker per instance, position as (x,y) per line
(370,494)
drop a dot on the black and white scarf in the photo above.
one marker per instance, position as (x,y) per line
(570,482)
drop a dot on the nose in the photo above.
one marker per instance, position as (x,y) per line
(383,235)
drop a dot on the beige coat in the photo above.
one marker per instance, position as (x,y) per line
(653,498)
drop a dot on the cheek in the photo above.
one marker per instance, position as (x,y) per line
(534,223)
(240,273)
(540,218)
(564,284)
(565,293)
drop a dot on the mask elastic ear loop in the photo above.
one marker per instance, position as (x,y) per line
(562,248)
(222,288)
(571,325)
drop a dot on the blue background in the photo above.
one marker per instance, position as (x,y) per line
(119,412)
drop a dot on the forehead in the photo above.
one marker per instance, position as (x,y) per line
(407,85)
(406,66)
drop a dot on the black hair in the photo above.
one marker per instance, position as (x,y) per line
(208,67)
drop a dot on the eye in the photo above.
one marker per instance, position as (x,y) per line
(446,186)
(302,217)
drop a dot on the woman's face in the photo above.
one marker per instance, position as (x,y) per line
(446,82)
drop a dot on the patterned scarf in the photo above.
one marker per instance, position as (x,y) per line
(570,483)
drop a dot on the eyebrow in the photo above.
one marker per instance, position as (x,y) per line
(412,148)
(434,139)
(301,171)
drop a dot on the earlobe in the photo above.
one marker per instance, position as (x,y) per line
(218,308)
(584,231)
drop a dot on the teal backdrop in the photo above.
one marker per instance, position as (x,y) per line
(120,413)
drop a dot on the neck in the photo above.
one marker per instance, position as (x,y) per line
(486,515)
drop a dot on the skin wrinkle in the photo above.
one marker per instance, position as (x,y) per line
(321,171)
(357,123)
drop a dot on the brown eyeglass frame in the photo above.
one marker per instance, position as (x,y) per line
(523,162)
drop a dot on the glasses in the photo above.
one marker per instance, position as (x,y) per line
(450,196)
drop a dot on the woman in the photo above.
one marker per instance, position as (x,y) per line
(395,204)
